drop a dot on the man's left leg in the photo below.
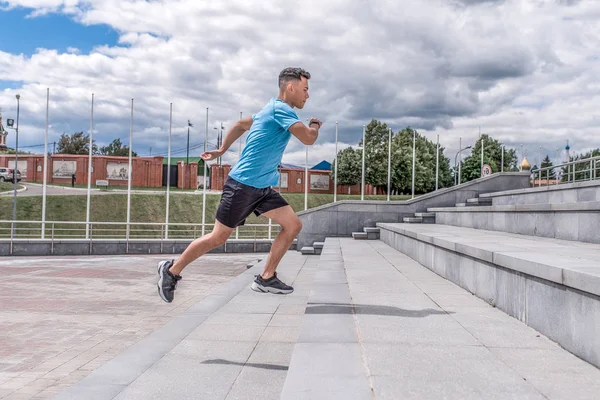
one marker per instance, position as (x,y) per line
(290,227)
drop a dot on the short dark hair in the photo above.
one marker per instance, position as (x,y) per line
(291,73)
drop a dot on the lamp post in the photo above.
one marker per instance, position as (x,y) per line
(187,156)
(16,164)
(219,140)
(362,182)
(460,151)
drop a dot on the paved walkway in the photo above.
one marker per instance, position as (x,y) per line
(365,322)
(63,317)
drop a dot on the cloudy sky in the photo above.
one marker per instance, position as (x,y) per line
(525,71)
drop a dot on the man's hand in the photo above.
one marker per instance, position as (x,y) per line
(313,121)
(212,155)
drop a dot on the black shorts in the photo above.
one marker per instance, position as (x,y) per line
(238,201)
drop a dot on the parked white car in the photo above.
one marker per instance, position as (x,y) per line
(6,175)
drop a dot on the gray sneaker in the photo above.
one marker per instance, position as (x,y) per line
(167,282)
(271,285)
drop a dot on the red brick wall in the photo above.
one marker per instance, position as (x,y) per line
(147,171)
(297,175)
(355,189)
(187,175)
(218,175)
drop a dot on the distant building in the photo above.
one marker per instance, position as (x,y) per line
(322,166)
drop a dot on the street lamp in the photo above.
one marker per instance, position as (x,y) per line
(460,151)
(187,157)
(219,140)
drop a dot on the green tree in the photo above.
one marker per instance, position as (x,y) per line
(582,170)
(425,162)
(116,148)
(445,177)
(546,162)
(350,165)
(77,143)
(492,155)
(376,153)
(10,150)
(376,161)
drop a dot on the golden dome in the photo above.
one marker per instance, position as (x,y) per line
(525,164)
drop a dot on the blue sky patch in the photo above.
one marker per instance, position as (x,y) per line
(52,31)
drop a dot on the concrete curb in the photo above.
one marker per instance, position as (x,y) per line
(117,374)
(24,188)
(81,247)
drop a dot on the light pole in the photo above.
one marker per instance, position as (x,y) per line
(219,140)
(16,166)
(414,162)
(460,151)
(437,162)
(362,183)
(335,164)
(187,157)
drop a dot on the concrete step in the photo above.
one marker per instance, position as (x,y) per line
(307,250)
(577,221)
(461,204)
(479,201)
(425,214)
(413,220)
(553,194)
(370,229)
(372,233)
(345,332)
(318,246)
(360,235)
(500,268)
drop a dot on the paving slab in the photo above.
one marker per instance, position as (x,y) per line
(425,339)
(63,317)
(216,358)
(365,321)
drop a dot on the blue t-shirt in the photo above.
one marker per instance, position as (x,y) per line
(265,144)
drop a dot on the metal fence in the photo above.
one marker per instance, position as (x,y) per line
(56,230)
(587,172)
(16,230)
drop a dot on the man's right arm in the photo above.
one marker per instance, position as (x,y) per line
(306,134)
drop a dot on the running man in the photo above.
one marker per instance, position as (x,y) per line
(248,186)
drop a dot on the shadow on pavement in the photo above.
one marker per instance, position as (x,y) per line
(241,364)
(367,309)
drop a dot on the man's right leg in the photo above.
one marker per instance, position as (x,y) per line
(169,272)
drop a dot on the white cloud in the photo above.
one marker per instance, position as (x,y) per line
(525,71)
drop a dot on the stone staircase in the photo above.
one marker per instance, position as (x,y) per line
(420,218)
(429,217)
(479,201)
(569,211)
(368,233)
(315,249)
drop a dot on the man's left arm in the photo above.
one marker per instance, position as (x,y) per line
(236,131)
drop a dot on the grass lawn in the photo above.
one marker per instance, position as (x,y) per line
(8,186)
(183,208)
